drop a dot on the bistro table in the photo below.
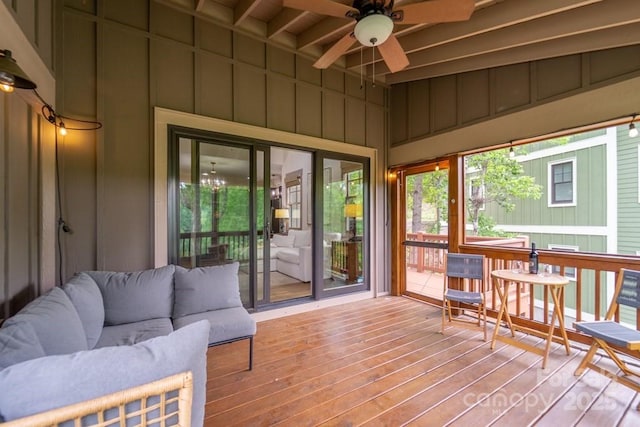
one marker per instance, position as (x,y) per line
(555,283)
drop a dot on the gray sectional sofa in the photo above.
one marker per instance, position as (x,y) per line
(107,331)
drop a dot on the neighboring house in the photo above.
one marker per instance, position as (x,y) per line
(590,198)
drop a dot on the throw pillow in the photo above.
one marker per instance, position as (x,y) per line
(18,343)
(206,288)
(85,295)
(135,296)
(55,322)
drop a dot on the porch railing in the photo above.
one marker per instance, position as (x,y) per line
(592,281)
(202,243)
(585,298)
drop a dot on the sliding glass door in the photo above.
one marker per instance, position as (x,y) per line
(294,220)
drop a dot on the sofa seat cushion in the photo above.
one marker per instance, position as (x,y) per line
(135,296)
(50,382)
(85,296)
(206,288)
(291,255)
(18,343)
(226,324)
(133,333)
(55,322)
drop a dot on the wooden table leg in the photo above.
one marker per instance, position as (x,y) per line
(503,293)
(556,295)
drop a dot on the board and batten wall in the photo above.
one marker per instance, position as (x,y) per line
(456,113)
(27,192)
(117,60)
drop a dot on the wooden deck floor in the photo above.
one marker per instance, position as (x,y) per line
(383,362)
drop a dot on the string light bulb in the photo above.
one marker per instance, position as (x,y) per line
(633,131)
(437,167)
(63,129)
(512,153)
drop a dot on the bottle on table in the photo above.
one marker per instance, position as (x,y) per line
(533,259)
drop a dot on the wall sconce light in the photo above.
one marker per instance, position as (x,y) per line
(11,75)
(633,132)
(283,216)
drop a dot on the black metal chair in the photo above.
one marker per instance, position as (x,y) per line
(469,269)
(609,333)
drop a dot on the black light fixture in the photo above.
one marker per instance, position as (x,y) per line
(633,132)
(11,75)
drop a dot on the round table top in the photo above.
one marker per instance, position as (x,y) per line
(524,276)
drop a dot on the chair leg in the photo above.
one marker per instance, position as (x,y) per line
(444,307)
(484,319)
(587,359)
(251,353)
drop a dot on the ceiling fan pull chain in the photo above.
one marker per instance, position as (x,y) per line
(373,66)
(361,67)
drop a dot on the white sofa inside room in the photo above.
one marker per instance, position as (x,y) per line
(292,254)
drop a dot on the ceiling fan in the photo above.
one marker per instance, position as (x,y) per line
(375,20)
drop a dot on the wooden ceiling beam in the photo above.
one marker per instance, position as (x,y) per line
(329,28)
(243,10)
(283,20)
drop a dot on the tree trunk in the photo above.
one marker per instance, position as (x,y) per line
(416,219)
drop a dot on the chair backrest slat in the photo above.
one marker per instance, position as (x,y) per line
(465,266)
(629,293)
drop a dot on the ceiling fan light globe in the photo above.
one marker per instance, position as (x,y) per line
(373,30)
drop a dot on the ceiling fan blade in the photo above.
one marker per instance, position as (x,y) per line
(393,54)
(321,7)
(335,51)
(434,11)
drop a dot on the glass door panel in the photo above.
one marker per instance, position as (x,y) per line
(289,265)
(426,238)
(344,202)
(214,207)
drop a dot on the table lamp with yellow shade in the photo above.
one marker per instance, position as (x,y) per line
(282,215)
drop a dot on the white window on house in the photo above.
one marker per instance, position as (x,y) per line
(294,198)
(569,272)
(638,169)
(562,183)
(477,190)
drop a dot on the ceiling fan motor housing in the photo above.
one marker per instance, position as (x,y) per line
(373,29)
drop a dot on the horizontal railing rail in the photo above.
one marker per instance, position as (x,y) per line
(199,243)
(592,277)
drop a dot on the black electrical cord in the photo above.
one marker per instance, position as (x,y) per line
(56,119)
(61,222)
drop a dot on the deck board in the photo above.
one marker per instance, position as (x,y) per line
(383,362)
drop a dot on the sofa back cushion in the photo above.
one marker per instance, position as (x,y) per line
(49,382)
(55,322)
(301,238)
(18,342)
(283,240)
(135,296)
(85,296)
(206,288)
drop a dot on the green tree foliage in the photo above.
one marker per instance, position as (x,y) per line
(494,177)
(231,213)
(428,191)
